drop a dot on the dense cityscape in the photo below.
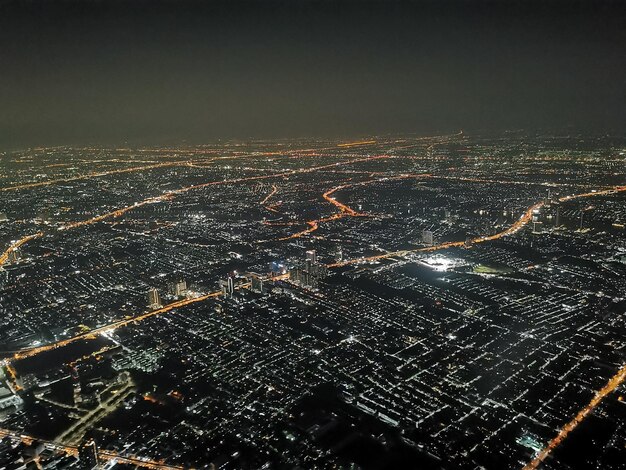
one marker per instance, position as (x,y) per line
(428,302)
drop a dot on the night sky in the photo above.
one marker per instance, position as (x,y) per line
(166,72)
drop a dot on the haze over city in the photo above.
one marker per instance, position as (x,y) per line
(312,234)
(113,71)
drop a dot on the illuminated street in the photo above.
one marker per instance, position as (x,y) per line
(418,300)
(312,235)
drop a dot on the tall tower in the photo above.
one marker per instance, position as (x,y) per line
(256,283)
(154,299)
(78,398)
(338,254)
(4,278)
(311,256)
(582,218)
(88,455)
(427,237)
(557,221)
(228,286)
(178,288)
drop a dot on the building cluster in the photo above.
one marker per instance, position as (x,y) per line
(229,313)
(309,272)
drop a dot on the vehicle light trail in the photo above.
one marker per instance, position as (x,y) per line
(520,223)
(112,326)
(269,196)
(610,386)
(170,194)
(5,256)
(315,224)
(270,207)
(116,213)
(92,175)
(344,210)
(356,144)
(602,192)
(343,207)
(104,455)
(520,183)
(13,377)
(30,352)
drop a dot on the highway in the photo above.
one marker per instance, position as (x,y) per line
(520,223)
(23,354)
(269,196)
(264,202)
(4,257)
(91,175)
(170,194)
(356,144)
(518,183)
(343,211)
(119,392)
(103,455)
(97,174)
(610,386)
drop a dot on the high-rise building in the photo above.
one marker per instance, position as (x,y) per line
(338,254)
(294,274)
(321,271)
(311,256)
(256,283)
(178,288)
(154,299)
(310,274)
(582,219)
(427,237)
(88,455)
(228,286)
(557,219)
(304,277)
(4,278)
(78,397)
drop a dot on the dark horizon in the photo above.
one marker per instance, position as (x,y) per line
(150,73)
